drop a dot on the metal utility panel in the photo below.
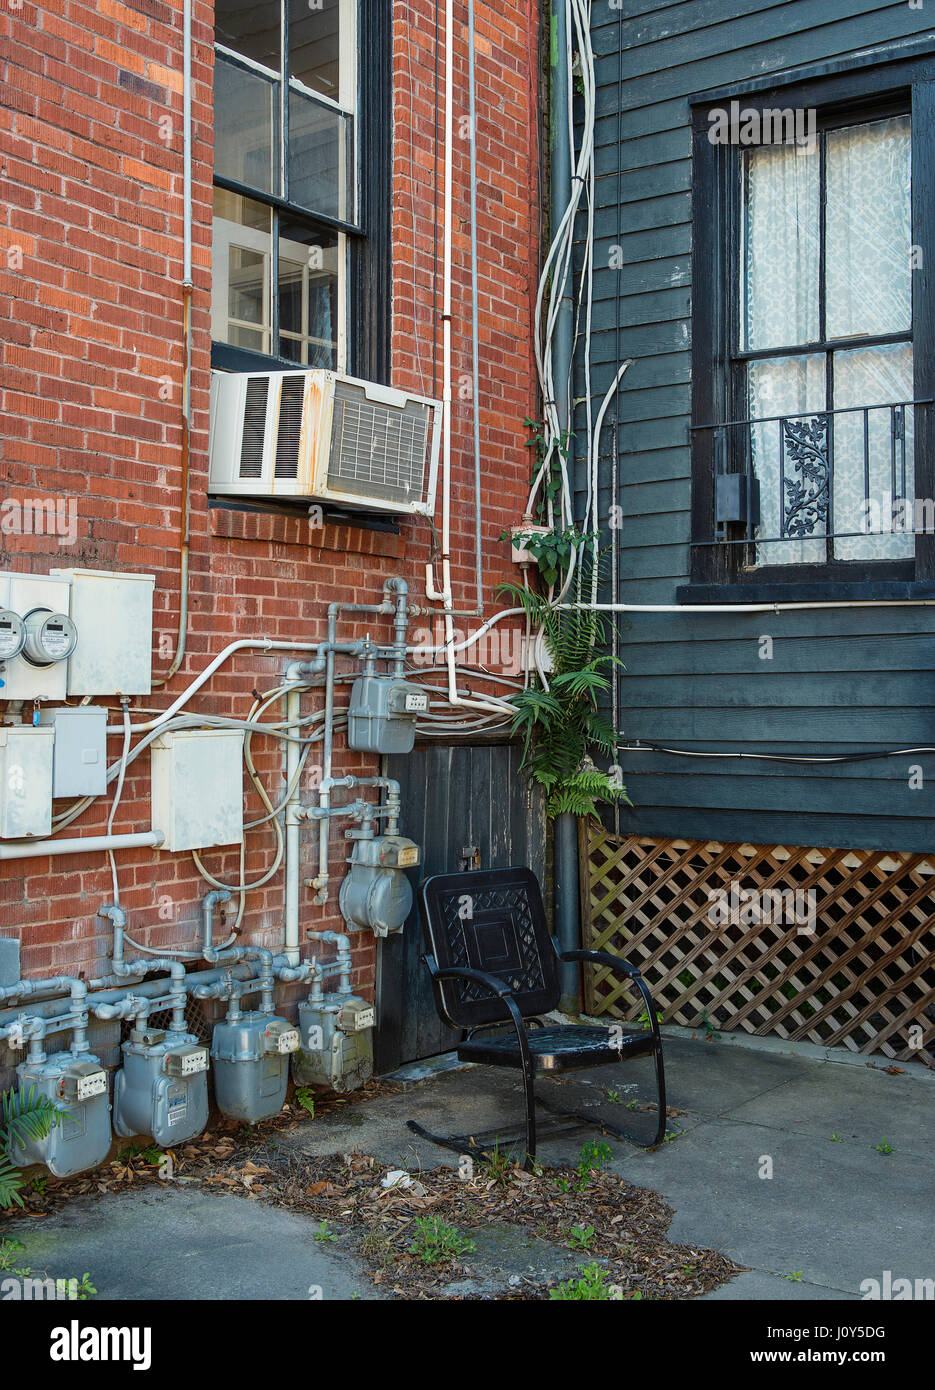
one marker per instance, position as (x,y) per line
(114,616)
(22,594)
(25,781)
(197,788)
(79,762)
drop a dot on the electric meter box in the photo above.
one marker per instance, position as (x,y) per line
(77,1088)
(33,594)
(26,760)
(79,760)
(197,788)
(381,717)
(250,1057)
(114,617)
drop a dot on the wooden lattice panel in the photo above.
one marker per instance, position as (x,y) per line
(863,977)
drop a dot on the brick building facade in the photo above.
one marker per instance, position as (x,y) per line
(91,300)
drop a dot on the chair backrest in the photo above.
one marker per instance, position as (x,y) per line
(491,920)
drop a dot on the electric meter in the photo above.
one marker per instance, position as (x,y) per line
(12,634)
(50,637)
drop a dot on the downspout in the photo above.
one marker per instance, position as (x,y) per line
(566,826)
(187,287)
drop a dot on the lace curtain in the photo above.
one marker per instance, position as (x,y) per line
(866,250)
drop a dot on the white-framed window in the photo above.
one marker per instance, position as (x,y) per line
(286,177)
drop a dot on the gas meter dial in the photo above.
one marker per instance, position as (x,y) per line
(50,637)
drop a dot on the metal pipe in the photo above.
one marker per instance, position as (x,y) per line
(565,832)
(87,844)
(187,289)
(208,904)
(475,370)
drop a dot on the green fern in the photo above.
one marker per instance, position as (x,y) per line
(24,1115)
(561,726)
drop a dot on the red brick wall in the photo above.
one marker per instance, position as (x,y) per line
(91,309)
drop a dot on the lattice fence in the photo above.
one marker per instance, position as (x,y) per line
(823,945)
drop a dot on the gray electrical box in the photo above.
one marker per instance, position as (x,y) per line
(79,755)
(381,717)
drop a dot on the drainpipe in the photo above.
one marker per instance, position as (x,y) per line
(566,827)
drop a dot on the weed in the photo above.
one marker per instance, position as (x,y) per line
(581,1237)
(592,1286)
(436,1242)
(884,1147)
(323,1233)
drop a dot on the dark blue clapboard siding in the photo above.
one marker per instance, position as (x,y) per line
(838,681)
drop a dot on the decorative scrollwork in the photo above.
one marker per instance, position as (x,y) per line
(805,505)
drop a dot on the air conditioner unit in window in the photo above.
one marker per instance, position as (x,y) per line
(323,436)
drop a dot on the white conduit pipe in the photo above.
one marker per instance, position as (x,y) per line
(444,596)
(87,844)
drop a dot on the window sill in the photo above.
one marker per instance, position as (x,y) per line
(816,591)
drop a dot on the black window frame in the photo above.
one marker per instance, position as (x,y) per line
(368,238)
(838,94)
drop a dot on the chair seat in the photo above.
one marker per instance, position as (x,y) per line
(565,1047)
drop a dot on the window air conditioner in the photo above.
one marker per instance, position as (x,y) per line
(324,436)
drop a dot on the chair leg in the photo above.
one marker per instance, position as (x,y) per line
(529,1096)
(661,1095)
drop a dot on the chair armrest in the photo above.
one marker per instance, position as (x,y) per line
(491,983)
(603,958)
(623,967)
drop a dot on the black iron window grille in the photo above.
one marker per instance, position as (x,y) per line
(875,445)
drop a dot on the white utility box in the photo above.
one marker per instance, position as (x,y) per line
(25,781)
(79,764)
(114,617)
(197,788)
(24,594)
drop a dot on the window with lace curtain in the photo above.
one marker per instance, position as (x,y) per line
(809,413)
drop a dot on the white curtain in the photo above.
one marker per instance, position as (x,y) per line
(867,251)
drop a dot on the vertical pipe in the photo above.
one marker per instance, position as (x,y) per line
(475,371)
(565,827)
(291,907)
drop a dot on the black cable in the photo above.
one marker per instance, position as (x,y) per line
(643,746)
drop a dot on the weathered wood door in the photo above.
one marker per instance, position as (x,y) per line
(456,802)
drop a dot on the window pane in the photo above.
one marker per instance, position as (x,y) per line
(314,47)
(780,247)
(240,272)
(244,143)
(868,229)
(873,468)
(250,27)
(792,496)
(320,173)
(308,295)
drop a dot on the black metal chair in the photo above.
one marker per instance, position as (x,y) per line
(492,961)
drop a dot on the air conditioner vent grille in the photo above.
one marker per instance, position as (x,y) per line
(254,427)
(377,450)
(289,433)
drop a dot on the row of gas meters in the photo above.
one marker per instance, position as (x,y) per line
(161,1090)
